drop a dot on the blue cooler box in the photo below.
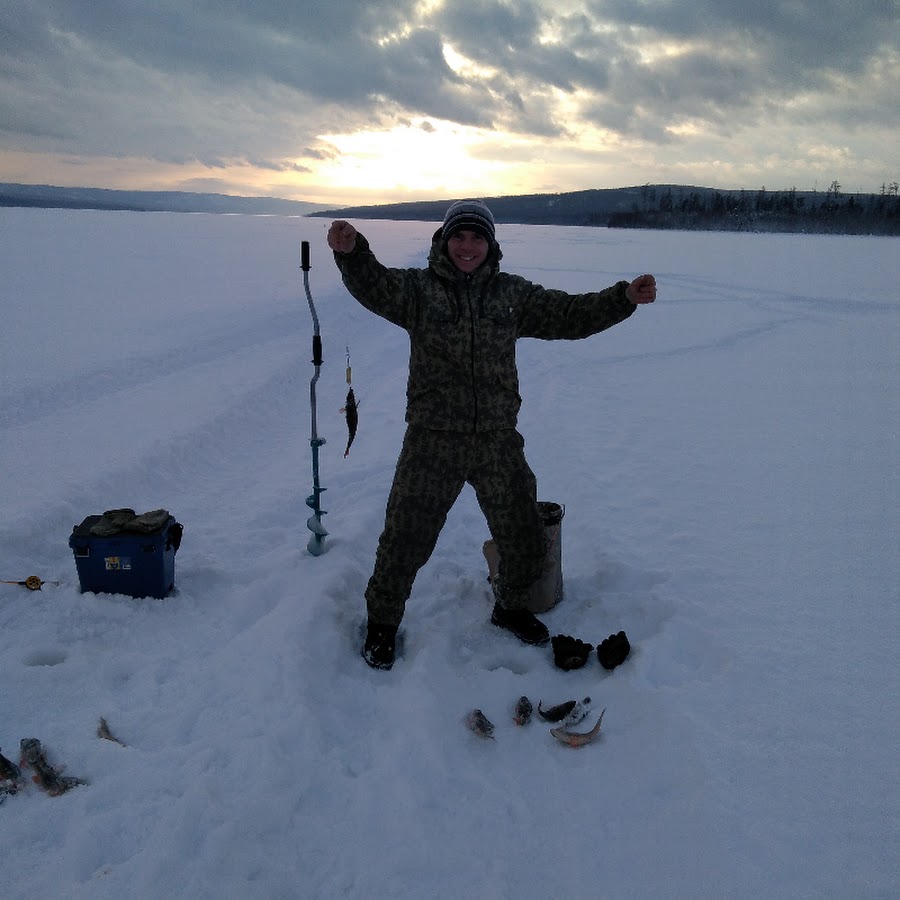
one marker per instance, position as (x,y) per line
(139,564)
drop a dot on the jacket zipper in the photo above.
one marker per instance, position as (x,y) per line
(472,353)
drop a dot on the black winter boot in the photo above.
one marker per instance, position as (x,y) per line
(378,650)
(522,623)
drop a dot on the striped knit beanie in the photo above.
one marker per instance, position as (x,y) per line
(469,214)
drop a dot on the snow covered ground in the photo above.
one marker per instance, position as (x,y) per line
(728,462)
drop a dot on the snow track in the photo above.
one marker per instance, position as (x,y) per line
(728,464)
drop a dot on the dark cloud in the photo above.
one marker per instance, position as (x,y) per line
(788,37)
(733,63)
(527,42)
(262,79)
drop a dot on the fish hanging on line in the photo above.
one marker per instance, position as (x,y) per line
(350,410)
(350,407)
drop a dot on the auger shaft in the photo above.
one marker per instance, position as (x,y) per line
(316,545)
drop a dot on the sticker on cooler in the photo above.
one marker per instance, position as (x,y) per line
(118,563)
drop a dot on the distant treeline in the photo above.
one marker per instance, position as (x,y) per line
(647,206)
(673,207)
(831,212)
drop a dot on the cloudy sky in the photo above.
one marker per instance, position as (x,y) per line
(366,101)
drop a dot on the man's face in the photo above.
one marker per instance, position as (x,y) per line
(467,249)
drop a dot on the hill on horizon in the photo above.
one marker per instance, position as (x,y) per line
(53,197)
(587,207)
(672,206)
(656,206)
(575,207)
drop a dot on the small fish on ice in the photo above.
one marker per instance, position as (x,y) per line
(523,711)
(571,712)
(478,722)
(575,738)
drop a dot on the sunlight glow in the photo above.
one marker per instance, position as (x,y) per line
(685,129)
(394,36)
(464,66)
(424,158)
(426,8)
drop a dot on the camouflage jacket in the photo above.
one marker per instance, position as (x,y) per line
(463,330)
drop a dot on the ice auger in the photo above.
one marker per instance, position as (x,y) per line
(316,544)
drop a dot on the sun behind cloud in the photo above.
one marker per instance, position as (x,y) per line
(412,160)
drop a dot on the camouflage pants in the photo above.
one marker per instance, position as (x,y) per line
(431,471)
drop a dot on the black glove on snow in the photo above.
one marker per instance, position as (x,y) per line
(614,650)
(569,653)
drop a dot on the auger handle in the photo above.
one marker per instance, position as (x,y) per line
(317,340)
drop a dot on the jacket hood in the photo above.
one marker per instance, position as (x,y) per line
(440,263)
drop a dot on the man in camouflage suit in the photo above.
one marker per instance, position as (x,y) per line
(463,316)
